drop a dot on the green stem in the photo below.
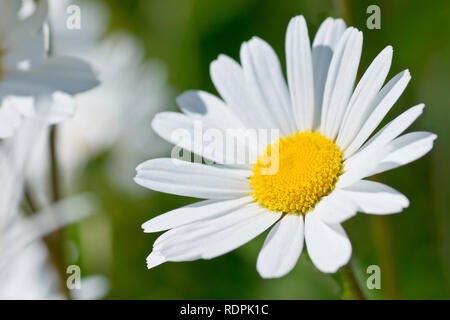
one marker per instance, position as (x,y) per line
(54,240)
(351,282)
(54,169)
(29,201)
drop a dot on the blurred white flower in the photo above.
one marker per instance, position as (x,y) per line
(25,268)
(25,271)
(27,71)
(29,276)
(132,91)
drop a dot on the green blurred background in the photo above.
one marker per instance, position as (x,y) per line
(412,248)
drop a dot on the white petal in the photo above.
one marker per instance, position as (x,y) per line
(389,132)
(300,72)
(10,120)
(363,163)
(376,198)
(232,238)
(263,73)
(405,149)
(361,102)
(192,179)
(214,237)
(69,75)
(192,213)
(155,259)
(324,44)
(335,208)
(360,167)
(282,247)
(209,109)
(40,224)
(62,108)
(198,137)
(229,80)
(329,34)
(200,229)
(328,245)
(384,101)
(340,80)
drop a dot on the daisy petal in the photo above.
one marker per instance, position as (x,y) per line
(405,149)
(376,198)
(192,213)
(336,208)
(68,75)
(214,237)
(263,72)
(360,105)
(300,72)
(363,163)
(184,131)
(340,80)
(329,34)
(328,245)
(199,230)
(155,259)
(192,179)
(229,80)
(237,235)
(384,101)
(282,247)
(209,109)
(62,108)
(324,44)
(360,167)
(389,132)
(10,120)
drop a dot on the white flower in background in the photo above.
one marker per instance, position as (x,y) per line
(25,269)
(132,91)
(29,276)
(325,152)
(27,72)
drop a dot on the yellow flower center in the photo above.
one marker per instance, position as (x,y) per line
(295,172)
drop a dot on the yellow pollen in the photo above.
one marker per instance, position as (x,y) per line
(309,165)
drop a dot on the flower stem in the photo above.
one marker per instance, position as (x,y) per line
(54,173)
(351,282)
(54,240)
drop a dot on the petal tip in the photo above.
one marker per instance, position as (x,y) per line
(155,259)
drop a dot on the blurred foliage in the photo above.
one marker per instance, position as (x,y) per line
(412,248)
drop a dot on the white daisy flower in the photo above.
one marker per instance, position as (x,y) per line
(325,153)
(25,269)
(26,70)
